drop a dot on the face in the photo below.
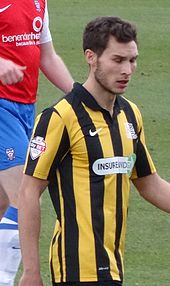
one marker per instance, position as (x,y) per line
(114,68)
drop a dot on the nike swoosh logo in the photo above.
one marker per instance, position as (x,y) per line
(93,133)
(14,247)
(3,9)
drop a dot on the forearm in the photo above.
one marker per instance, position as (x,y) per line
(29,229)
(55,69)
(155,190)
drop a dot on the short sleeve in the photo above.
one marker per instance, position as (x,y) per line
(45,34)
(48,145)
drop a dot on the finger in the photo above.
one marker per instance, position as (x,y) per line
(12,78)
(22,68)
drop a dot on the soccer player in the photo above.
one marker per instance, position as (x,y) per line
(86,149)
(25,46)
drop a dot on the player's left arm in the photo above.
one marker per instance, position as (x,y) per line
(155,190)
(54,68)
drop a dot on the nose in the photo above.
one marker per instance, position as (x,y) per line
(128,68)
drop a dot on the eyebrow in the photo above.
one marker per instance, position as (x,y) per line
(123,57)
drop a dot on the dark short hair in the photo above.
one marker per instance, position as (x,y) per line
(97,33)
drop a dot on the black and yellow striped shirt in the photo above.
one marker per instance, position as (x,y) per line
(89,159)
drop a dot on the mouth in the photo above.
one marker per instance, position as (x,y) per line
(122,83)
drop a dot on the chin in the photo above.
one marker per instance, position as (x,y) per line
(118,92)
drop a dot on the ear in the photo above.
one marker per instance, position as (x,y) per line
(91,57)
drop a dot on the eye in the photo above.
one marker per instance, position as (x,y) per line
(133,60)
(118,60)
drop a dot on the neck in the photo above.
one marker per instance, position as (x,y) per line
(104,98)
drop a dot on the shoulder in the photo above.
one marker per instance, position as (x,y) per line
(127,102)
(66,104)
(129,106)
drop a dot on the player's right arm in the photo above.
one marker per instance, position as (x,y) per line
(10,73)
(29,229)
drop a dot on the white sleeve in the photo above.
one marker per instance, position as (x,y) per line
(45,34)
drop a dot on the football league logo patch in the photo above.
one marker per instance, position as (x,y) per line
(37,147)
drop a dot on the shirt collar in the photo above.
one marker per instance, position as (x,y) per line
(86,97)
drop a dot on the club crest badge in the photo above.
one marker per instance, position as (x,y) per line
(37,5)
(37,147)
(10,154)
(130,131)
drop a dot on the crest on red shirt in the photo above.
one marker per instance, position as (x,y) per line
(37,5)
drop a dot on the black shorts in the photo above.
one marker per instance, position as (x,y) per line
(98,283)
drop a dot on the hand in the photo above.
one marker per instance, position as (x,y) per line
(10,73)
(30,280)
